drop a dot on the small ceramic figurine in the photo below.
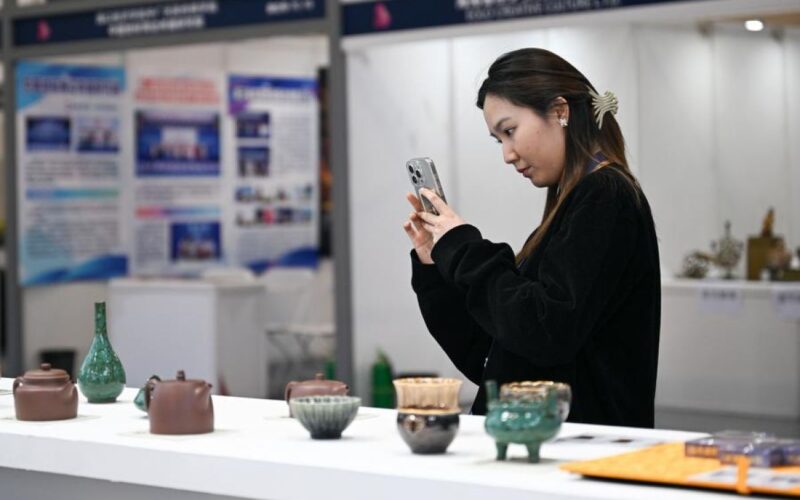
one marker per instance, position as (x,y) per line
(45,394)
(179,406)
(778,260)
(769,221)
(727,251)
(695,265)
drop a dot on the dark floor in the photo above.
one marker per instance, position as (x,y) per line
(686,420)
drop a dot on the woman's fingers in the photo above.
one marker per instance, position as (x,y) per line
(426,218)
(412,198)
(437,202)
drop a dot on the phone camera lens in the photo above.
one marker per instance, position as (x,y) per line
(419,174)
(414,180)
(411,169)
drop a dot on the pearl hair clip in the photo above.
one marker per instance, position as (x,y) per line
(602,104)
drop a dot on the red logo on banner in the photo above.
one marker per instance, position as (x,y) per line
(382,18)
(43,31)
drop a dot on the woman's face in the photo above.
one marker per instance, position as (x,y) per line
(532,144)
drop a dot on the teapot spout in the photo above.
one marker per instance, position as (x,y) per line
(491,390)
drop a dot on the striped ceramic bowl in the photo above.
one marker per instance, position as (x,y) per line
(325,417)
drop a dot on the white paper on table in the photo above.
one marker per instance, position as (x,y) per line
(610,439)
(786,302)
(766,478)
(720,300)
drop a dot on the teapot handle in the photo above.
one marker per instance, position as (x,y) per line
(17,383)
(149,387)
(288,392)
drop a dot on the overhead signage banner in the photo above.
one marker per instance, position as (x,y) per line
(275,194)
(396,15)
(70,195)
(161,19)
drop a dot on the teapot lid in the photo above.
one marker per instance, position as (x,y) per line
(320,381)
(180,378)
(46,373)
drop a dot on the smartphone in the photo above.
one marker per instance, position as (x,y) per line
(422,173)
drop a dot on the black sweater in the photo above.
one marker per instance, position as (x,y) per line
(583,309)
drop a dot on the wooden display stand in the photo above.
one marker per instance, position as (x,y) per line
(758,248)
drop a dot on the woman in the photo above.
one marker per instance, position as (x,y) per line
(580,302)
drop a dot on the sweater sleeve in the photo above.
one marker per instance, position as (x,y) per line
(443,309)
(545,320)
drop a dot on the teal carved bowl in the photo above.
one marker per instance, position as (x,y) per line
(325,417)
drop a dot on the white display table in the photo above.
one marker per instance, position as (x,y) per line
(732,350)
(213,330)
(258,452)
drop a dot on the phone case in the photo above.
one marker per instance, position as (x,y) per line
(422,173)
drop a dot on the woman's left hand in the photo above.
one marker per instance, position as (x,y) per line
(438,225)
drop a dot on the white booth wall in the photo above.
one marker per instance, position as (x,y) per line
(61,316)
(711,122)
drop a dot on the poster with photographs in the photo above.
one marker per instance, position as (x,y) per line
(177,176)
(69,156)
(275,193)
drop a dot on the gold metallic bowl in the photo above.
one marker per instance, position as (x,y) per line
(539,391)
(428,393)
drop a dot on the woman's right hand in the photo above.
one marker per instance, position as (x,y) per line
(419,236)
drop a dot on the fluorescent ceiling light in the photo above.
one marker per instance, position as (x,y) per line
(754,25)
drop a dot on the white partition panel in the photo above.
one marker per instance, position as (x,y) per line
(491,194)
(606,55)
(677,147)
(791,59)
(711,122)
(750,103)
(399,107)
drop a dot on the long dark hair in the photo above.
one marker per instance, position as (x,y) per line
(535,78)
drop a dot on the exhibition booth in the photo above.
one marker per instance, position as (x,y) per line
(228,176)
(182,149)
(710,118)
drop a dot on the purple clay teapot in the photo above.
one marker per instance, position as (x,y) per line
(179,406)
(315,387)
(45,394)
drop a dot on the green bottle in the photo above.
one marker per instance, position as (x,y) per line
(382,387)
(101,377)
(330,369)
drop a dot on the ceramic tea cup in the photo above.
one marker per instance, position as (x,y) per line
(325,417)
(531,391)
(428,393)
(427,432)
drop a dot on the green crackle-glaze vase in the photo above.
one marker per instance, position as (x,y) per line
(101,377)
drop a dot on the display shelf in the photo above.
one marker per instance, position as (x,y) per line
(258,452)
(749,288)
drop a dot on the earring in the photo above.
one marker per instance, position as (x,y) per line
(562,121)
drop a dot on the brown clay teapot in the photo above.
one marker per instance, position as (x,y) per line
(45,394)
(179,406)
(316,387)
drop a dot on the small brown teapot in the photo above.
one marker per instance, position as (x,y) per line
(45,394)
(316,387)
(179,406)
